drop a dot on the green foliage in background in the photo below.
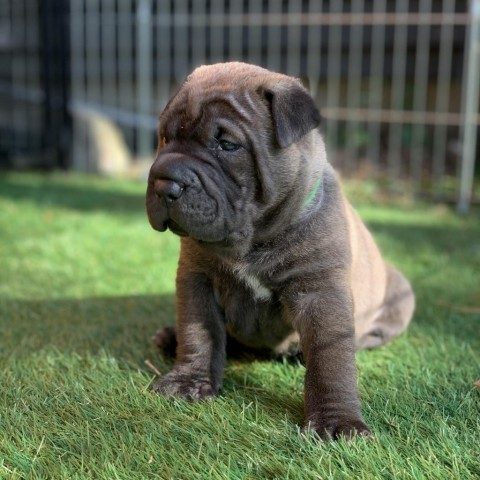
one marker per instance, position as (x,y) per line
(85,282)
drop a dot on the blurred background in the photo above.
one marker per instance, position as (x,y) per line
(82,81)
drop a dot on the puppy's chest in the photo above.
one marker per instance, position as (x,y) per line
(238,288)
(256,287)
(253,311)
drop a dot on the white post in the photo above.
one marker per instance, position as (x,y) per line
(470,111)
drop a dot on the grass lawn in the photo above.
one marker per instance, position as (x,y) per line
(85,282)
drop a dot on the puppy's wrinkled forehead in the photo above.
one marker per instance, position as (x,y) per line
(225,90)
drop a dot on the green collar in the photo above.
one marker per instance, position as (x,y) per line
(313,193)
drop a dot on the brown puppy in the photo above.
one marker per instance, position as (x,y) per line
(272,254)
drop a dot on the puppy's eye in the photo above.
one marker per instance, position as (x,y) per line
(228,146)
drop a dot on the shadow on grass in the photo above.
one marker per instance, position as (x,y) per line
(84,196)
(123,326)
(407,240)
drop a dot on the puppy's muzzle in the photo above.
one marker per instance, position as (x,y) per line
(164,191)
(178,199)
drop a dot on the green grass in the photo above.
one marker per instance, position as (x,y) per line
(85,282)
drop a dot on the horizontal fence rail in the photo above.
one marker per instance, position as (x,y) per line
(396,80)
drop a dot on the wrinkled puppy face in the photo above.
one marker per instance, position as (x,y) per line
(215,172)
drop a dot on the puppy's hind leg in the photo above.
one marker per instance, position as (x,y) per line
(166,340)
(394,315)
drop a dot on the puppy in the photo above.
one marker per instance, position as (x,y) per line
(272,254)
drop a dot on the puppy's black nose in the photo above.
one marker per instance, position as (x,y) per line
(168,190)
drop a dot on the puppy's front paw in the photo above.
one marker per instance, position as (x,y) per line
(335,428)
(187,387)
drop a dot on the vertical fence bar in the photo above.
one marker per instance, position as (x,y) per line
(19,113)
(77,69)
(199,43)
(180,40)
(126,94)
(144,74)
(274,41)
(397,94)
(442,96)
(92,47)
(6,142)
(163,60)
(294,40)
(29,31)
(334,76)
(470,110)
(34,75)
(61,78)
(254,39)
(235,31)
(125,51)
(375,83)
(217,37)
(109,84)
(354,89)
(92,64)
(314,50)
(77,40)
(420,84)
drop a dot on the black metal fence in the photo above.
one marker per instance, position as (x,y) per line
(396,80)
(35,123)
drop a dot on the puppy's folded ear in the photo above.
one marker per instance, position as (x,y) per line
(293,110)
